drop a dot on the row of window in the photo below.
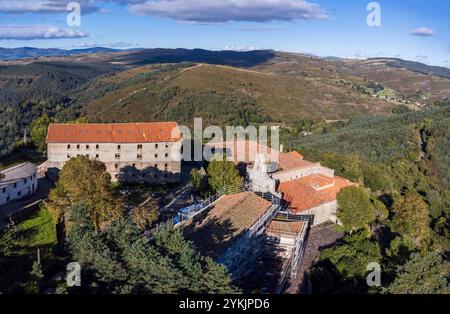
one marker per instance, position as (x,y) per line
(117,156)
(119,147)
(144,175)
(19,194)
(25,180)
(166,166)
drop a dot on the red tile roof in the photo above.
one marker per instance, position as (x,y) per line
(114,133)
(311,191)
(289,161)
(247,151)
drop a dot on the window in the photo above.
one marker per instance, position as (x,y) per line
(118,147)
(87,155)
(87,146)
(156,166)
(68,156)
(78,146)
(139,146)
(166,155)
(97,156)
(116,166)
(167,145)
(68,146)
(116,176)
(97,146)
(25,181)
(139,156)
(117,156)
(156,155)
(134,165)
(156,145)
(166,166)
(19,193)
(15,185)
(4,190)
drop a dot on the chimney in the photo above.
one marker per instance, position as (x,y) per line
(281,148)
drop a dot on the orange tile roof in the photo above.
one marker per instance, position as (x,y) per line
(295,154)
(114,133)
(311,191)
(244,151)
(227,219)
(247,151)
(288,162)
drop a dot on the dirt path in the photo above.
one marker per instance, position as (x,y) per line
(319,238)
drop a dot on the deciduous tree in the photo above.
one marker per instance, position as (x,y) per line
(223,175)
(356,211)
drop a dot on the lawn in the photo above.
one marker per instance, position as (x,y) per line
(35,232)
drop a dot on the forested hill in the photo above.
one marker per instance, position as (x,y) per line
(223,87)
(403,163)
(28,91)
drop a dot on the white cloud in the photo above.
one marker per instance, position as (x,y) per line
(216,11)
(116,44)
(241,48)
(422,31)
(46,6)
(28,32)
(422,58)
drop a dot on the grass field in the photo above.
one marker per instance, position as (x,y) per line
(35,233)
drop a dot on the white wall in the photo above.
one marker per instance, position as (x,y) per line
(154,155)
(10,192)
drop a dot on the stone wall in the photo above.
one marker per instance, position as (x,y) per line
(147,162)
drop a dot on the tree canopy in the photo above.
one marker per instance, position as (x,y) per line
(83,180)
(422,274)
(120,259)
(223,174)
(356,211)
(38,132)
(411,218)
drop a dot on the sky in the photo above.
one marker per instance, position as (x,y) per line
(416,30)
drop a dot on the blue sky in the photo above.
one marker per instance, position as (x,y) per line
(410,29)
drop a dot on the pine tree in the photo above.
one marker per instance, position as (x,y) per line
(422,274)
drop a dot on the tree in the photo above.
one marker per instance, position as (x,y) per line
(83,180)
(422,274)
(197,178)
(356,211)
(121,259)
(351,259)
(144,216)
(39,128)
(36,277)
(8,241)
(411,218)
(223,175)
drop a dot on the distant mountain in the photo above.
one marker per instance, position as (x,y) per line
(29,52)
(228,57)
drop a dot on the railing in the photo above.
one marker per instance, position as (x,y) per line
(211,199)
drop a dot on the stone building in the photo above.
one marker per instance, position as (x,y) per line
(309,189)
(132,152)
(18,182)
